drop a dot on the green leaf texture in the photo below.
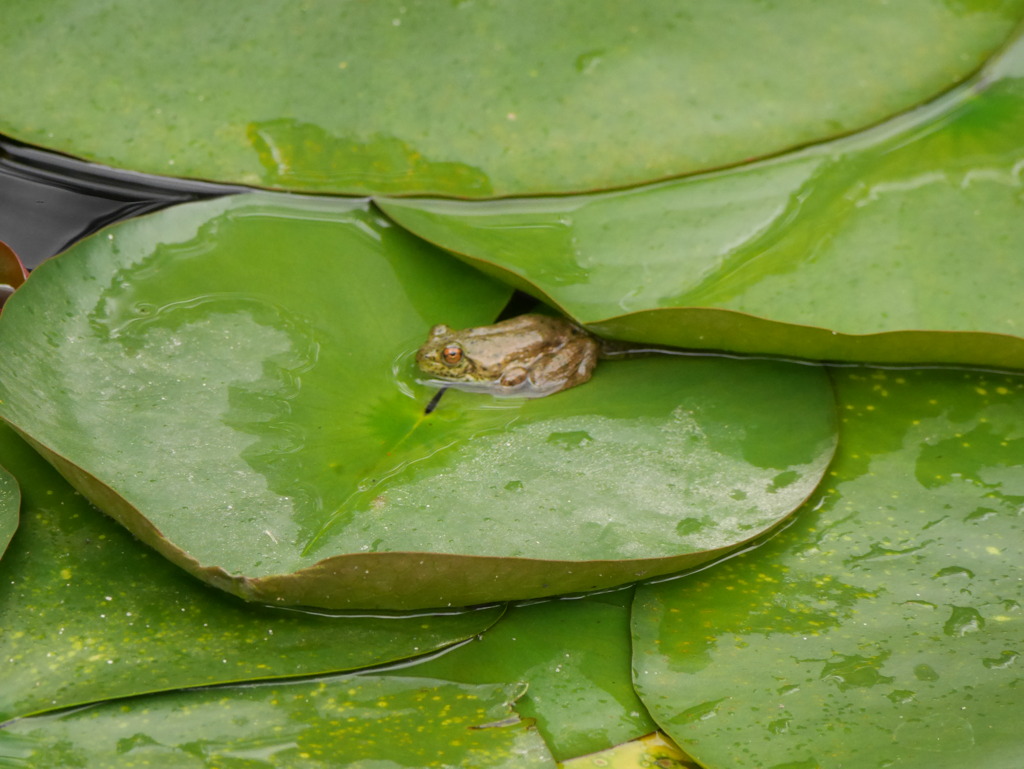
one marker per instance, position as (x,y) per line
(477,99)
(90,614)
(232,381)
(885,626)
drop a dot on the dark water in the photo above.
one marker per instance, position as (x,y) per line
(48,201)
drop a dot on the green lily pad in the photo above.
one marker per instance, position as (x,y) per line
(575,657)
(10,504)
(89,614)
(885,627)
(898,245)
(362,722)
(231,380)
(478,99)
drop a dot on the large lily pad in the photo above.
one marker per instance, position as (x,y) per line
(486,98)
(885,627)
(901,244)
(87,614)
(387,723)
(231,381)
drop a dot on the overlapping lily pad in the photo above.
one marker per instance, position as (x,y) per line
(10,504)
(477,99)
(231,381)
(575,656)
(900,244)
(365,721)
(89,614)
(885,627)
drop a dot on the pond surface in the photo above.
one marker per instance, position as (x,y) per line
(48,201)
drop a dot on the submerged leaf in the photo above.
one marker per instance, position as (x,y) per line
(901,244)
(478,99)
(363,721)
(88,614)
(574,656)
(886,624)
(260,424)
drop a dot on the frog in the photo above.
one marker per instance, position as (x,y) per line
(531,355)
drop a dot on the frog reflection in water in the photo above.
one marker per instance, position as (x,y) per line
(529,355)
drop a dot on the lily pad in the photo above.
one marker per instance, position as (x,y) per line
(231,380)
(89,614)
(10,504)
(365,721)
(574,655)
(478,99)
(12,272)
(900,244)
(885,626)
(652,750)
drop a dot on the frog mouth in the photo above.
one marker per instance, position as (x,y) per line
(525,389)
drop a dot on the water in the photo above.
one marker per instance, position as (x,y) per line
(48,201)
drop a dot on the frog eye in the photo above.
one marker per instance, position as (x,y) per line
(451,354)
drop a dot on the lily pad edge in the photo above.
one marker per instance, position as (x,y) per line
(385,580)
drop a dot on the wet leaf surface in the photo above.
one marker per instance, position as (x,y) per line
(885,625)
(10,504)
(651,750)
(280,393)
(534,97)
(364,721)
(574,655)
(89,614)
(899,244)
